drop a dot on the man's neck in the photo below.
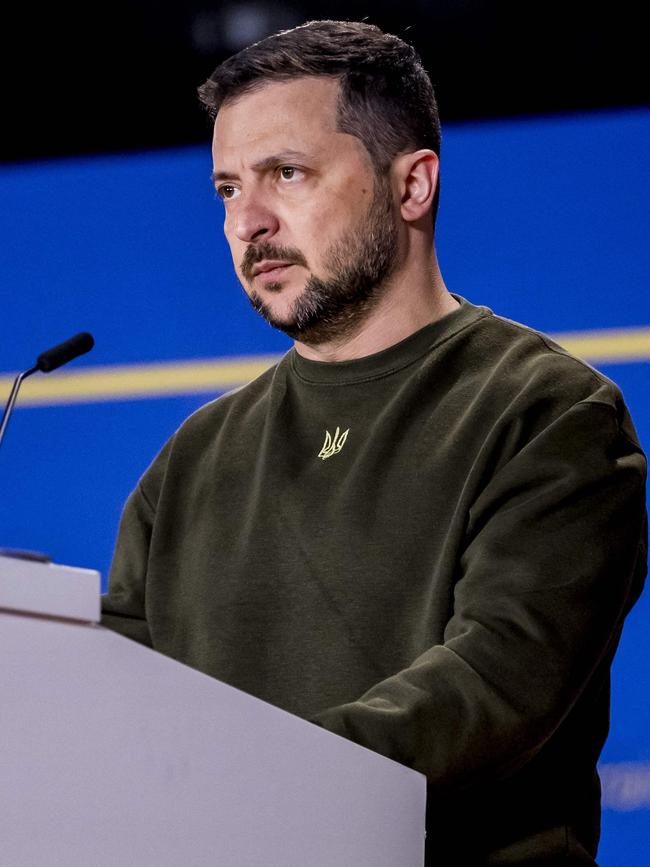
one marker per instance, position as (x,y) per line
(411,302)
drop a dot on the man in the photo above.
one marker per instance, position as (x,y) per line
(423,528)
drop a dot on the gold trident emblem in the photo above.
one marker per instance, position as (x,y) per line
(333,444)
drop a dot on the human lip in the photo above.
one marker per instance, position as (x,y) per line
(270,267)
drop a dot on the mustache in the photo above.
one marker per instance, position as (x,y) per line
(258,252)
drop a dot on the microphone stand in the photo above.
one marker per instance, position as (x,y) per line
(47,361)
(18,381)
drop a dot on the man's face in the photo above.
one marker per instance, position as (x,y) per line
(312,231)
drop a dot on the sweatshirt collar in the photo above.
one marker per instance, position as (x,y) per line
(393,358)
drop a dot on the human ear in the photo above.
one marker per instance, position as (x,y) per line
(418,174)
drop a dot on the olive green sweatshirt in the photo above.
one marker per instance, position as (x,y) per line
(429,551)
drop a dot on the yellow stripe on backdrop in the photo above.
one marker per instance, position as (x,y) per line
(175,378)
(128,381)
(610,346)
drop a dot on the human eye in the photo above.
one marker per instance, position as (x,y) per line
(226,192)
(290,173)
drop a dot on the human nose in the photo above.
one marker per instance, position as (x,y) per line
(253,220)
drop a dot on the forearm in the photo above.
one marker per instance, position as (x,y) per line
(554,557)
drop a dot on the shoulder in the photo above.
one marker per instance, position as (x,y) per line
(516,360)
(508,382)
(200,433)
(245,401)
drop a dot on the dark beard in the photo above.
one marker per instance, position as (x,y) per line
(360,264)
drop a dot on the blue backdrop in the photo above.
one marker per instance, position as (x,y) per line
(544,220)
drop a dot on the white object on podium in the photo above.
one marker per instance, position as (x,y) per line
(114,755)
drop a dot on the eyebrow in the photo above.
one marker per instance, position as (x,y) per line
(262,165)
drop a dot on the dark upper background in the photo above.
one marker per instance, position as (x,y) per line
(121,75)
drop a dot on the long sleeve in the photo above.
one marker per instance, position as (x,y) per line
(123,607)
(554,556)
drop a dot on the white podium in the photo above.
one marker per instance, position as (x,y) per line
(113,754)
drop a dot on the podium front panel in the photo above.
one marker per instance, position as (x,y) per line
(113,754)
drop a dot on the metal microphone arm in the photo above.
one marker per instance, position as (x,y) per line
(49,360)
(18,381)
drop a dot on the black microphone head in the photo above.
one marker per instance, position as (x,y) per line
(65,352)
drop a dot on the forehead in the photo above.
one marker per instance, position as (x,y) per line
(298,114)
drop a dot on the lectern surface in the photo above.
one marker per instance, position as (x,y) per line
(116,755)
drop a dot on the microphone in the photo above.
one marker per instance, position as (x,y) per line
(65,352)
(46,362)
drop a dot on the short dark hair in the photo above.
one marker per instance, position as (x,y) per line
(386,97)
